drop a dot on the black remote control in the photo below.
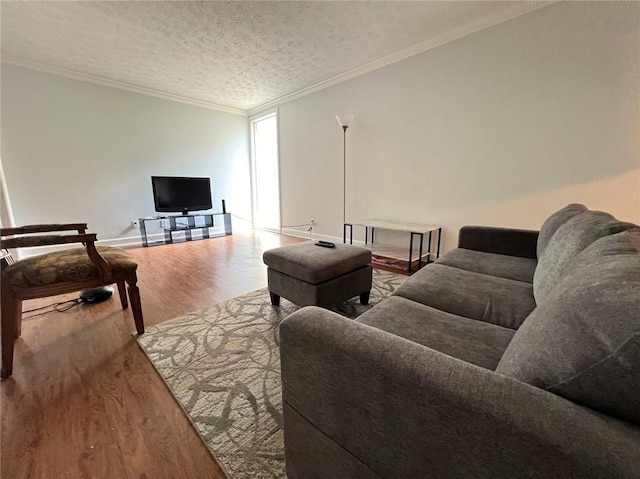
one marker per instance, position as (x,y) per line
(325,244)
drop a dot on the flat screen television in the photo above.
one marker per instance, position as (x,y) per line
(181,194)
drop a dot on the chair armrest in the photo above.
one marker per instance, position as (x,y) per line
(79,227)
(46,240)
(508,241)
(404,410)
(88,240)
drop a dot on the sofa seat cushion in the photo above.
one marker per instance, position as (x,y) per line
(503,266)
(68,265)
(583,342)
(572,237)
(500,301)
(315,264)
(472,341)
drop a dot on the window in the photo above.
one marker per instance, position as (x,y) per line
(265,172)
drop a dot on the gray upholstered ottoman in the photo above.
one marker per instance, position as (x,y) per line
(307,274)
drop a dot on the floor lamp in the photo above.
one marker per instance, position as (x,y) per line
(344,121)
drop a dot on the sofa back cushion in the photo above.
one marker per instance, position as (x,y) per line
(553,222)
(583,342)
(571,237)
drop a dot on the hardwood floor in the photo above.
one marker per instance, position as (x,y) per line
(85,402)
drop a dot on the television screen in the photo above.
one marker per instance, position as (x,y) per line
(181,194)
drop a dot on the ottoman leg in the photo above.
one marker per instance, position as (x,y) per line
(275,299)
(364,297)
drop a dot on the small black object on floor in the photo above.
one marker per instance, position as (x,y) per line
(96,295)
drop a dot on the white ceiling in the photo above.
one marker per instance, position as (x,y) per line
(242,55)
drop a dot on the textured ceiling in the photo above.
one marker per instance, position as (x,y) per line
(240,54)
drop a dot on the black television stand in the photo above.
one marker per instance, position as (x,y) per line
(199,222)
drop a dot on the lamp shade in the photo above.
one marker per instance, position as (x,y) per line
(344,120)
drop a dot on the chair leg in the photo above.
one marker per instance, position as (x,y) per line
(18,318)
(122,292)
(11,312)
(136,307)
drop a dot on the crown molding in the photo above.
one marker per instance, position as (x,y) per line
(518,9)
(43,67)
(416,49)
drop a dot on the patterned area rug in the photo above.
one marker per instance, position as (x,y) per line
(222,364)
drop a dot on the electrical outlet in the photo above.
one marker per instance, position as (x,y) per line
(135,224)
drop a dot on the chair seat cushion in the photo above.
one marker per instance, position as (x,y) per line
(315,264)
(66,266)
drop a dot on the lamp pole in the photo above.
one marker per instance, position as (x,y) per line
(344,121)
(344,173)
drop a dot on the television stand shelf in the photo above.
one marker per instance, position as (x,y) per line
(185,224)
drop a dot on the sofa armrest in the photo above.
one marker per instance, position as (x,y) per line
(509,241)
(360,402)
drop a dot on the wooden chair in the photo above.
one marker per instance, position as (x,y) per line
(59,272)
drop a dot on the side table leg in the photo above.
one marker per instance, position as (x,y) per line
(344,233)
(410,253)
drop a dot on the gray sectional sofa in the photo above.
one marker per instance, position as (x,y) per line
(515,355)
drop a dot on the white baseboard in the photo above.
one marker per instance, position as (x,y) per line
(314,236)
(123,242)
(136,242)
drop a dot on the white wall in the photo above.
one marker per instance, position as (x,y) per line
(78,152)
(6,219)
(502,127)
